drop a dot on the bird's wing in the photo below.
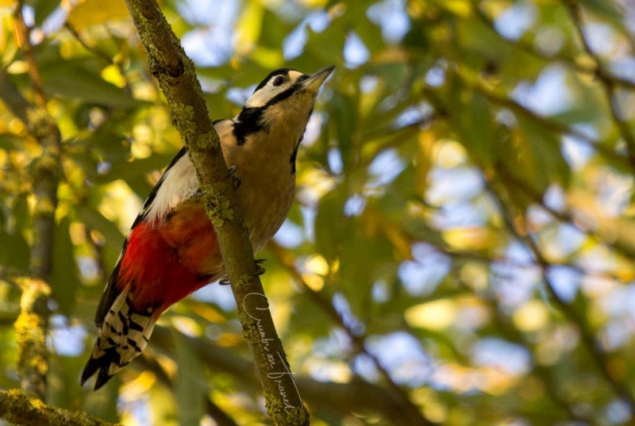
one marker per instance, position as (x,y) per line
(111,292)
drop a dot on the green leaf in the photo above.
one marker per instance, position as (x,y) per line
(345,119)
(65,275)
(10,142)
(113,236)
(474,124)
(330,225)
(14,251)
(535,152)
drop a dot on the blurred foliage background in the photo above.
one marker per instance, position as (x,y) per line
(462,240)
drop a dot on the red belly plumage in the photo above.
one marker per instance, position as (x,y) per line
(165,263)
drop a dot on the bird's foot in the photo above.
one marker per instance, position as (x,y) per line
(259,269)
(224,281)
(235,179)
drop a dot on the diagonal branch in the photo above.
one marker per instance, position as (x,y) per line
(527,47)
(589,340)
(358,339)
(176,75)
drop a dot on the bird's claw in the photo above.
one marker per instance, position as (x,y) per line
(224,281)
(259,269)
(235,179)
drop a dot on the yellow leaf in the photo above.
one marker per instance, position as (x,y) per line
(433,315)
(92,12)
(461,8)
(469,238)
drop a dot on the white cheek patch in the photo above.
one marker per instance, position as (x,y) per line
(261,97)
(179,184)
(266,93)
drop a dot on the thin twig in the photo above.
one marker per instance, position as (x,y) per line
(24,40)
(608,83)
(100,54)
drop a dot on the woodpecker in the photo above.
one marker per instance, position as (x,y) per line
(171,249)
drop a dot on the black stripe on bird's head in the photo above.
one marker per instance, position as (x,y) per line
(285,96)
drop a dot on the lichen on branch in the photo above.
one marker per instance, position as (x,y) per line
(19,409)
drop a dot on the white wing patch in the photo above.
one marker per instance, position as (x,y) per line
(179,183)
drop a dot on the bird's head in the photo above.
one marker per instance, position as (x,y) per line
(283,102)
(288,87)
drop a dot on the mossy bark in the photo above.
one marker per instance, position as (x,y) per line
(19,409)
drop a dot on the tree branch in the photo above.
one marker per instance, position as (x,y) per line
(598,355)
(566,216)
(24,41)
(503,101)
(175,72)
(30,330)
(19,409)
(32,324)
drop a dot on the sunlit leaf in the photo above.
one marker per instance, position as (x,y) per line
(92,12)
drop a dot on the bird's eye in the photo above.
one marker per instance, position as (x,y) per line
(278,81)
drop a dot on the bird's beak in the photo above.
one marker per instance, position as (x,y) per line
(314,82)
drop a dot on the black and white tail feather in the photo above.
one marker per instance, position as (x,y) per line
(124,334)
